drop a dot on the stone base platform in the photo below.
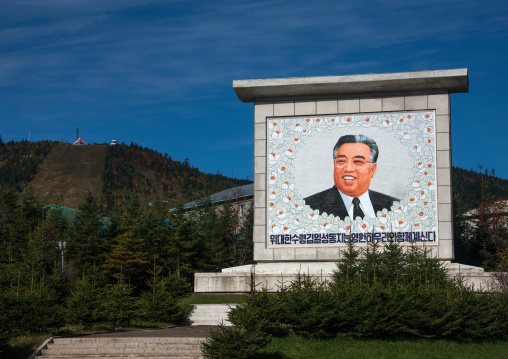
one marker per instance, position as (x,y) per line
(272,275)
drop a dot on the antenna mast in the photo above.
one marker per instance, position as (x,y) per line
(77,133)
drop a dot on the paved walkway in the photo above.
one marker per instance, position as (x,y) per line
(177,331)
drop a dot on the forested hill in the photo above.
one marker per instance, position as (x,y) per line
(62,173)
(152,175)
(471,186)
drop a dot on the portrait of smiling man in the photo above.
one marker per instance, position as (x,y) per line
(355,164)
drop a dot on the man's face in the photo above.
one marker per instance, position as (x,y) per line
(352,169)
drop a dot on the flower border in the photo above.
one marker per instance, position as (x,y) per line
(287,212)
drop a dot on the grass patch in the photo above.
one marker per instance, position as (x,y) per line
(299,348)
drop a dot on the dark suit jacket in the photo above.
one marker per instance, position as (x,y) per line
(330,201)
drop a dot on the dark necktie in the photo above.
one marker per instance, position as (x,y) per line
(357,211)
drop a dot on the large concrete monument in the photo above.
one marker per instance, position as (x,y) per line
(339,158)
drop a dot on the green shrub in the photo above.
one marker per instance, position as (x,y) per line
(260,312)
(379,294)
(119,304)
(4,335)
(233,343)
(83,305)
(32,309)
(160,307)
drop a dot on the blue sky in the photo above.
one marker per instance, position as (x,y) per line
(135,71)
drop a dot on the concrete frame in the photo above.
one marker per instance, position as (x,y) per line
(426,90)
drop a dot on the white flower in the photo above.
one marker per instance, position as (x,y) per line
(383,216)
(297,205)
(400,225)
(422,214)
(428,131)
(288,196)
(422,194)
(417,226)
(347,120)
(324,225)
(289,152)
(431,186)
(331,122)
(272,125)
(416,148)
(406,134)
(273,178)
(287,185)
(416,183)
(277,135)
(345,225)
(428,116)
(313,215)
(280,229)
(281,213)
(388,122)
(382,228)
(283,169)
(363,225)
(399,209)
(413,200)
(367,122)
(273,157)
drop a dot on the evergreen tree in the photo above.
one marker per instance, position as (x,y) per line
(213,248)
(159,303)
(119,303)
(127,258)
(8,206)
(83,305)
(181,239)
(89,242)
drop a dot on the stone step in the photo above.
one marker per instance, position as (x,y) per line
(115,351)
(210,314)
(456,268)
(122,342)
(122,357)
(123,345)
(123,348)
(208,322)
(139,340)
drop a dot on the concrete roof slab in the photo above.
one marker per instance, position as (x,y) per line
(450,81)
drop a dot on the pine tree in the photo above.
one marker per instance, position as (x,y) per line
(181,239)
(89,242)
(213,248)
(127,258)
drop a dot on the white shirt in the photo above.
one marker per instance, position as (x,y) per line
(365,204)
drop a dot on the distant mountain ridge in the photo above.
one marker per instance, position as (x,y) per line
(61,173)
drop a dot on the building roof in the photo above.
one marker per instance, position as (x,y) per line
(80,141)
(234,193)
(451,81)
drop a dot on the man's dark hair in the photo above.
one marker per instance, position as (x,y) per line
(374,150)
